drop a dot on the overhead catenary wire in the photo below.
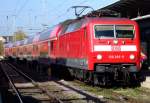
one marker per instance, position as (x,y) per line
(17,2)
(66,12)
(63,3)
(22,7)
(17,13)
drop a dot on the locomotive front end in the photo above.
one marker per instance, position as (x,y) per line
(116,51)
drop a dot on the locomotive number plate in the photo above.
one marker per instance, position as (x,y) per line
(115,48)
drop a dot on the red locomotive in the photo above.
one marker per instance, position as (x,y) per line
(101,50)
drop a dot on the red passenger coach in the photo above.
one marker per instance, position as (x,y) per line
(7,49)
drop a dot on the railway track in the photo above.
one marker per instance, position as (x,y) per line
(32,89)
(69,93)
(58,91)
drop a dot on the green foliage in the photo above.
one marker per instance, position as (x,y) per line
(19,35)
(1,48)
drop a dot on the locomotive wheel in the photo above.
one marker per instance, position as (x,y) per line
(86,77)
(95,79)
(105,80)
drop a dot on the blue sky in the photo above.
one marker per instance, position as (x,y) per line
(33,15)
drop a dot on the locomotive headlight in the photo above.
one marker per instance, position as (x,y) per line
(132,57)
(115,41)
(99,56)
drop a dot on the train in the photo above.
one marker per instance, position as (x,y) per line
(100,50)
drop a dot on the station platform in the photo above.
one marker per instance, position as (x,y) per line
(146,83)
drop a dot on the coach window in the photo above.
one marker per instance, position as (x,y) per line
(78,25)
(124,31)
(104,31)
(74,26)
(64,29)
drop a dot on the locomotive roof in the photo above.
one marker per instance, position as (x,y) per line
(108,19)
(89,19)
(72,25)
(67,22)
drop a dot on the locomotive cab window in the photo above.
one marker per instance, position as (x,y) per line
(74,26)
(124,31)
(104,31)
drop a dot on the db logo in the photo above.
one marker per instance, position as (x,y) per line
(115,48)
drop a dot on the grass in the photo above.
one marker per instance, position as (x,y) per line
(138,93)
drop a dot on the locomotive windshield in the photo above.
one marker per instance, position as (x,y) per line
(111,31)
(124,31)
(104,31)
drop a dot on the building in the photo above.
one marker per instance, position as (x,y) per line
(6,39)
(2,39)
(130,8)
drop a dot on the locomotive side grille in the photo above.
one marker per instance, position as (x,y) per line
(114,67)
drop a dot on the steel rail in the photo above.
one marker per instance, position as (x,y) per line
(12,84)
(36,84)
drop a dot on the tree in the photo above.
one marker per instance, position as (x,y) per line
(1,48)
(19,35)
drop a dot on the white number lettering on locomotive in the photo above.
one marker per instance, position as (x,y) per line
(115,48)
(116,56)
